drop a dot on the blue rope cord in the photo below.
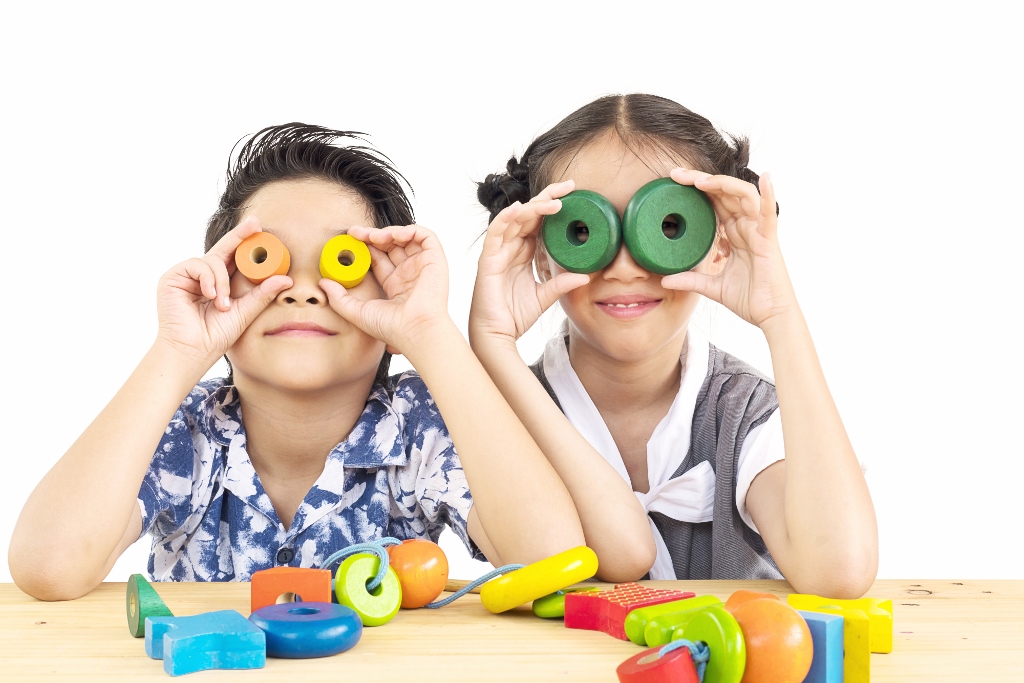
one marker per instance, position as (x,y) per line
(374,548)
(473,584)
(700,653)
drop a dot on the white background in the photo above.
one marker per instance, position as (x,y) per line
(892,133)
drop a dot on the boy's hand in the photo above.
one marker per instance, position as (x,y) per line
(753,283)
(507,299)
(197,315)
(410,266)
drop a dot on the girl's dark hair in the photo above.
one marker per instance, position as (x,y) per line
(642,122)
(296,151)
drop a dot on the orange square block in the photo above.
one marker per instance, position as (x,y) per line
(307,585)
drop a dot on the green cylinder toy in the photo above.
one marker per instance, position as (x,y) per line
(667,227)
(141,601)
(585,235)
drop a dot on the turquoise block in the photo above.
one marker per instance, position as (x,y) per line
(215,640)
(827,636)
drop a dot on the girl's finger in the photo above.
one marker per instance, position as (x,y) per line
(687,176)
(224,249)
(769,222)
(739,190)
(552,290)
(529,218)
(556,190)
(692,281)
(200,271)
(504,219)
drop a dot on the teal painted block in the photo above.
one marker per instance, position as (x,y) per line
(827,636)
(215,640)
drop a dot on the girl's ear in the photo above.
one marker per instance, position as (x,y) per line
(392,351)
(720,251)
(542,261)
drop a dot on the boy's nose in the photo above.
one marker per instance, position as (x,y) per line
(305,289)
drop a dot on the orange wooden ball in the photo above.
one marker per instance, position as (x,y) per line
(741,596)
(422,569)
(779,648)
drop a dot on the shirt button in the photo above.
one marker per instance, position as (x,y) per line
(285,555)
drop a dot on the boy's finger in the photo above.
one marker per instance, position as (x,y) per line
(253,302)
(224,249)
(200,271)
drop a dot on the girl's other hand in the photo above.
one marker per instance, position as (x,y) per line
(507,299)
(410,266)
(752,282)
(197,315)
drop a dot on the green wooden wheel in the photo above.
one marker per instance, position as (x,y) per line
(585,235)
(376,608)
(668,227)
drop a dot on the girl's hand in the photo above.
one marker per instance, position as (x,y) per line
(409,264)
(507,299)
(196,312)
(753,283)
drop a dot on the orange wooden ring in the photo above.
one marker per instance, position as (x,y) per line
(260,256)
(309,585)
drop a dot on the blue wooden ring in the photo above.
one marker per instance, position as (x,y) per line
(300,630)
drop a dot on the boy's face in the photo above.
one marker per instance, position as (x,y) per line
(298,342)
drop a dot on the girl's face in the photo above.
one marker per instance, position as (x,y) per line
(298,342)
(624,314)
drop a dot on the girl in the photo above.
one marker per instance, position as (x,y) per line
(682,460)
(307,446)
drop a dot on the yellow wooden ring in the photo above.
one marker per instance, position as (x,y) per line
(345,260)
(539,579)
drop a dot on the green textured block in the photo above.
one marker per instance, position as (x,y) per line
(585,235)
(553,606)
(141,601)
(639,620)
(647,231)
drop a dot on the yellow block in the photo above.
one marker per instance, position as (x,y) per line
(856,642)
(539,579)
(879,614)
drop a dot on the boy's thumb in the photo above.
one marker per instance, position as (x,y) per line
(259,297)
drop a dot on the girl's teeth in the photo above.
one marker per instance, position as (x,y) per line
(625,305)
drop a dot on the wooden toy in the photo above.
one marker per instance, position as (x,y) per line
(668,227)
(142,601)
(856,642)
(723,636)
(661,622)
(879,615)
(308,629)
(553,606)
(778,641)
(607,610)
(345,260)
(741,596)
(260,256)
(650,666)
(827,635)
(376,608)
(422,569)
(305,585)
(215,640)
(585,235)
(539,579)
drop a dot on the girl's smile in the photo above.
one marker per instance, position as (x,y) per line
(627,306)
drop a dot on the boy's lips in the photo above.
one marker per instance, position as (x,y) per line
(627,306)
(300,329)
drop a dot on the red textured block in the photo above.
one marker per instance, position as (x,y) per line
(607,610)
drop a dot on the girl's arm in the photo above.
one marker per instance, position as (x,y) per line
(85,511)
(813,509)
(521,510)
(507,301)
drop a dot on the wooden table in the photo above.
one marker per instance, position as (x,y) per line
(943,631)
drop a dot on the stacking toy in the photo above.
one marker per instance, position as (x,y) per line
(655,625)
(422,569)
(778,642)
(607,610)
(879,614)
(376,608)
(723,636)
(651,667)
(668,227)
(215,640)
(260,256)
(308,629)
(584,236)
(305,585)
(345,260)
(539,579)
(142,601)
(827,635)
(553,606)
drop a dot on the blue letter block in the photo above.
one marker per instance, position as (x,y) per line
(827,636)
(215,640)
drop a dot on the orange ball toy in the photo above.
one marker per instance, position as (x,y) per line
(422,569)
(743,595)
(779,647)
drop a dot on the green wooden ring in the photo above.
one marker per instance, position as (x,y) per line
(601,219)
(642,231)
(724,638)
(374,609)
(141,601)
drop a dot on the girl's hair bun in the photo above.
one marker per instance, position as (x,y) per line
(499,190)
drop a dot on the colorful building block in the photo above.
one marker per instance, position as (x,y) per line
(141,601)
(827,635)
(309,629)
(376,608)
(607,610)
(879,615)
(856,642)
(660,629)
(649,666)
(553,606)
(637,620)
(539,579)
(307,585)
(215,640)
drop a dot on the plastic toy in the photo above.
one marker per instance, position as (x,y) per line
(651,666)
(345,260)
(778,642)
(741,596)
(141,601)
(585,235)
(306,585)
(659,627)
(308,629)
(720,630)
(607,610)
(827,635)
(879,614)
(260,256)
(553,606)
(376,608)
(215,640)
(856,642)
(539,579)
(422,569)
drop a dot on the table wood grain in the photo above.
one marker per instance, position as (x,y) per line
(943,631)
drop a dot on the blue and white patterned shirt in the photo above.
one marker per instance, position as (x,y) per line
(396,474)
